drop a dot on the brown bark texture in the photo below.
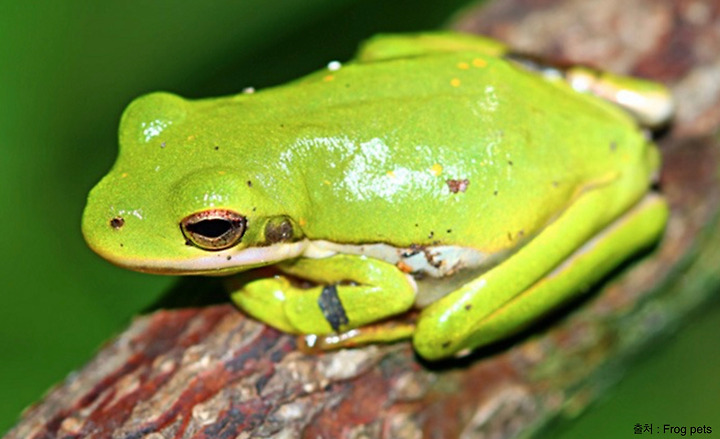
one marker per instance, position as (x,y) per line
(210,372)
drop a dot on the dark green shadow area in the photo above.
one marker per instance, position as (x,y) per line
(675,383)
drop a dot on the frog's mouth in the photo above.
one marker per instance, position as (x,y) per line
(222,262)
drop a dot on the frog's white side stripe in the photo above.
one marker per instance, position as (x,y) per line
(434,261)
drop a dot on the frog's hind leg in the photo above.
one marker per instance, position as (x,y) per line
(545,273)
(649,103)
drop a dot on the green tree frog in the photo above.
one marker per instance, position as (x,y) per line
(435,172)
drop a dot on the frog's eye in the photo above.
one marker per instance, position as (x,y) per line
(215,229)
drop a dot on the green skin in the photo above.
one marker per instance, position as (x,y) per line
(422,141)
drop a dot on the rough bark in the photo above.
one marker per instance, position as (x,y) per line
(211,372)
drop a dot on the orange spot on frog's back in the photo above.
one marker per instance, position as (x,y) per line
(479,62)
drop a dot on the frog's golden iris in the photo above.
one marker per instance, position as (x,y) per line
(213,230)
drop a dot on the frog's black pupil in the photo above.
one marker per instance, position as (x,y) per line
(212,228)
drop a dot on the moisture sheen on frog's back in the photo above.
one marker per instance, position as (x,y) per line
(428,143)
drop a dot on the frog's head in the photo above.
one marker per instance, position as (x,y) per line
(178,201)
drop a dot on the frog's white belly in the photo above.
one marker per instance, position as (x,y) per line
(433,261)
(436,270)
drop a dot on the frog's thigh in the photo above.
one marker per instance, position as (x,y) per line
(510,296)
(650,103)
(353,291)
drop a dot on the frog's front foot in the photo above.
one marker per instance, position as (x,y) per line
(348,292)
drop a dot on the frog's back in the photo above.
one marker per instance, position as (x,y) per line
(456,148)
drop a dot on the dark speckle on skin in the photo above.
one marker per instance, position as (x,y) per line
(188,242)
(412,251)
(449,230)
(468,307)
(510,162)
(458,185)
(332,308)
(162,145)
(555,183)
(228,257)
(117,222)
(613,146)
(431,234)
(122,245)
(216,148)
(446,345)
(495,192)
(249,183)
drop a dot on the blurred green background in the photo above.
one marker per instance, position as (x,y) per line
(67,70)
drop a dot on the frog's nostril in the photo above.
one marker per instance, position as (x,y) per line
(215,229)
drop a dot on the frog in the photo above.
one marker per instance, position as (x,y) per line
(438,188)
